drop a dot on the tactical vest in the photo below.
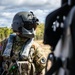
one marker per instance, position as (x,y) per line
(15,49)
(24,63)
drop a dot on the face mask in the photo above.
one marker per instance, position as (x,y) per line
(28,33)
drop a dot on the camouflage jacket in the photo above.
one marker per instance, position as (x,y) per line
(36,56)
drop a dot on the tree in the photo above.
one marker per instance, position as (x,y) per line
(1,34)
(6,32)
(39,32)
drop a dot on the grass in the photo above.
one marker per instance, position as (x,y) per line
(46,48)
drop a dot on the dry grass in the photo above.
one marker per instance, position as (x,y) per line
(46,48)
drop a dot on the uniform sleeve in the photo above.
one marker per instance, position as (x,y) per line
(2,46)
(1,50)
(39,59)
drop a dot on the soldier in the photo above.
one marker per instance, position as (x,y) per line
(20,46)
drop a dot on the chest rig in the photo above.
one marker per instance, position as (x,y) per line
(20,55)
(18,49)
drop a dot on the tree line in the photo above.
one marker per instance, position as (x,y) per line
(5,32)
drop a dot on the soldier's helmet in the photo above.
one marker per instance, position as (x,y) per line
(25,23)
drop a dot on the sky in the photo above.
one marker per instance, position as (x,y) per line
(41,8)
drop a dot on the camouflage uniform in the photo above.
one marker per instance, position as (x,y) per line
(0,46)
(36,56)
(0,56)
